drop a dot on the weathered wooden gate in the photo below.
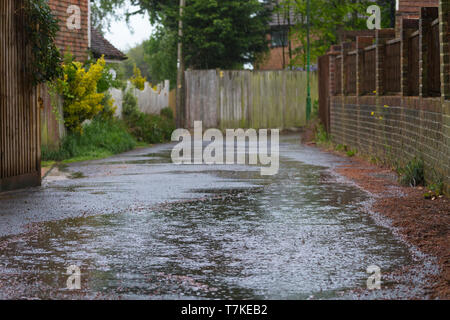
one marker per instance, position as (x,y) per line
(19,117)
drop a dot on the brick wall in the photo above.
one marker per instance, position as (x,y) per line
(274,59)
(408,127)
(77,40)
(413,7)
(396,128)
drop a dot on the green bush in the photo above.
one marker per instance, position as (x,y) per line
(129,105)
(150,128)
(351,153)
(412,174)
(315,109)
(145,127)
(167,113)
(100,138)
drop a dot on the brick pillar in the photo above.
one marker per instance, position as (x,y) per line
(408,27)
(426,18)
(444,19)
(334,51)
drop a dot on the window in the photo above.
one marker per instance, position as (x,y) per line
(279,38)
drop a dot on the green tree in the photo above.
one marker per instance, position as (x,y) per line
(137,56)
(327,19)
(224,34)
(217,34)
(160,55)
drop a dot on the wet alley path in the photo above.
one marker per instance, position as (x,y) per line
(140,227)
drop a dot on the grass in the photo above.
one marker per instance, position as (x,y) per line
(100,139)
(47,164)
(351,153)
(103,138)
(322,138)
(412,174)
(321,135)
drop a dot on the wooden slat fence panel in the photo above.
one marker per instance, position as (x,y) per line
(350,73)
(245,99)
(392,74)
(413,64)
(369,72)
(19,118)
(338,75)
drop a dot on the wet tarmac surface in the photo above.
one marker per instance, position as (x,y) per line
(140,227)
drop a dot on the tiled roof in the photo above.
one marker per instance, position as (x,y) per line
(100,46)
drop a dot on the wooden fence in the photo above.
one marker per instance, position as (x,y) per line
(382,64)
(413,84)
(19,116)
(247,99)
(392,70)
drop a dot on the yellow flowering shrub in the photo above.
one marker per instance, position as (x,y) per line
(137,79)
(79,89)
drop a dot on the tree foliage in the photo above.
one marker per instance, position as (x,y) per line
(103,11)
(136,56)
(161,55)
(217,34)
(327,19)
(41,28)
(224,34)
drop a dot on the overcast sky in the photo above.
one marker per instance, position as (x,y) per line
(124,36)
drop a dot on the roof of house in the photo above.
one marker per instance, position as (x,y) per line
(100,46)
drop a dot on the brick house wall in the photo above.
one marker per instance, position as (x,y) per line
(52,130)
(274,60)
(77,39)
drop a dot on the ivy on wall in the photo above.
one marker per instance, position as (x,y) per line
(41,28)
